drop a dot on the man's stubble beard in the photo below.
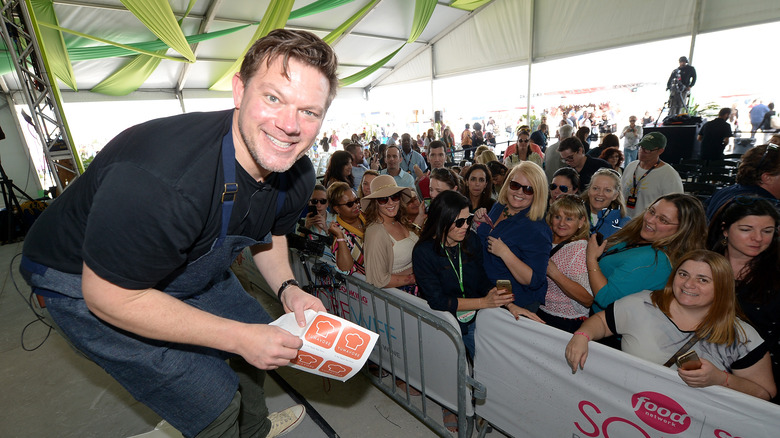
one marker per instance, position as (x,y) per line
(254,153)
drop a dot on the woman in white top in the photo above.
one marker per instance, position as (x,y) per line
(390,236)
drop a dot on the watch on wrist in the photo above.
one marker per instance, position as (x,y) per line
(285,285)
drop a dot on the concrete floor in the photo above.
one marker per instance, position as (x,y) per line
(48,390)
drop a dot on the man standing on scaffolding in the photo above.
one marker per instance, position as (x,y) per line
(679,86)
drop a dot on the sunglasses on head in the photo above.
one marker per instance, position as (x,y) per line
(349,204)
(396,197)
(464,220)
(769,146)
(564,189)
(315,201)
(528,190)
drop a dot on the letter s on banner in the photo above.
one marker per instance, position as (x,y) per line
(595,432)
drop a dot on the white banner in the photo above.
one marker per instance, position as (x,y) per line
(531,391)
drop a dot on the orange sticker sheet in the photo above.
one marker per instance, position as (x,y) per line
(332,346)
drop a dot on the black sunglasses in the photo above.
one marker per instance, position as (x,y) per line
(564,189)
(770,146)
(464,220)
(528,190)
(523,141)
(349,204)
(315,201)
(395,198)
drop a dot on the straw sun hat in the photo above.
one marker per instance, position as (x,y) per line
(383,186)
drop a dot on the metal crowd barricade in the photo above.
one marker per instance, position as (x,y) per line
(417,345)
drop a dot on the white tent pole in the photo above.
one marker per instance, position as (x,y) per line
(695,28)
(530,58)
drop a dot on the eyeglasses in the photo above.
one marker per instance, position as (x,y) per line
(514,185)
(652,213)
(315,201)
(763,157)
(568,158)
(396,197)
(464,220)
(750,200)
(523,141)
(349,204)
(564,189)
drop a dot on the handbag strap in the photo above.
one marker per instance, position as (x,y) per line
(694,339)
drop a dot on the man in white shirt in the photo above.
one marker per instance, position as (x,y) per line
(632,133)
(649,177)
(393,161)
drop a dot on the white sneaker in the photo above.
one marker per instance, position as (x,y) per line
(284,421)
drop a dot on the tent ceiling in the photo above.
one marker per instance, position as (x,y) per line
(454,41)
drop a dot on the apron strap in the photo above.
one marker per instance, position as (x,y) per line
(230,186)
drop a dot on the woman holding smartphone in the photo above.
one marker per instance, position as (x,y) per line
(695,311)
(448,265)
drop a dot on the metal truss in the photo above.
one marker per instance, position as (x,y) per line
(36,87)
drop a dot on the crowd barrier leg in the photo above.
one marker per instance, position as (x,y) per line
(443,379)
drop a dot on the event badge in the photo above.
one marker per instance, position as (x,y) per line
(631,202)
(332,347)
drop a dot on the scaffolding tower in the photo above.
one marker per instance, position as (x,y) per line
(41,97)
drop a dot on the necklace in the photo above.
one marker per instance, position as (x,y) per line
(507,213)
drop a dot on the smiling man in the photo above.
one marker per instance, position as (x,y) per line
(133,259)
(649,177)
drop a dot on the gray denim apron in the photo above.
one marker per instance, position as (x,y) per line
(187,385)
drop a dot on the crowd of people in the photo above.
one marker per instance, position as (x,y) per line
(574,241)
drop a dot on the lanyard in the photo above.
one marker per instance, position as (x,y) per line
(635,188)
(409,161)
(459,273)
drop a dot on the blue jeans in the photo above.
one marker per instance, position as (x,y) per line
(629,156)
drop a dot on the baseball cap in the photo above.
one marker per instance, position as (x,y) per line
(653,141)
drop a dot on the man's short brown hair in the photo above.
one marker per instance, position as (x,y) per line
(297,44)
(570,144)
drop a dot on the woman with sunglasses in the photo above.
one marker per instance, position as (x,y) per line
(746,232)
(604,201)
(448,265)
(569,297)
(348,228)
(565,181)
(389,237)
(694,310)
(641,255)
(516,240)
(318,218)
(479,185)
(523,151)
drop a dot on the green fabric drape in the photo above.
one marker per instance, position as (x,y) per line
(337,32)
(362,74)
(317,7)
(133,74)
(157,15)
(111,50)
(469,5)
(53,44)
(275,17)
(129,77)
(423,10)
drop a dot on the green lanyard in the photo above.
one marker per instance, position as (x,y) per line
(463,316)
(458,274)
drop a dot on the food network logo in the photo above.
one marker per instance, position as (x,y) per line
(655,410)
(660,412)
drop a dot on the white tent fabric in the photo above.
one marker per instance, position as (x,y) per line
(498,35)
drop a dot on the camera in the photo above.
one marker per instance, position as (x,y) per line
(310,243)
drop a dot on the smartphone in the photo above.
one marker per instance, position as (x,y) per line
(504,287)
(599,238)
(312,209)
(689,361)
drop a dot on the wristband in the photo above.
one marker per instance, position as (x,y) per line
(285,285)
(726,383)
(341,240)
(583,334)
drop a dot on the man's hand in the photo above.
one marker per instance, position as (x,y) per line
(268,347)
(298,301)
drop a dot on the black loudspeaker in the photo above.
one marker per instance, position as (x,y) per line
(681,141)
(437,116)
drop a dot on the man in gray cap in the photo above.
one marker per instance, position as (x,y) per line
(649,177)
